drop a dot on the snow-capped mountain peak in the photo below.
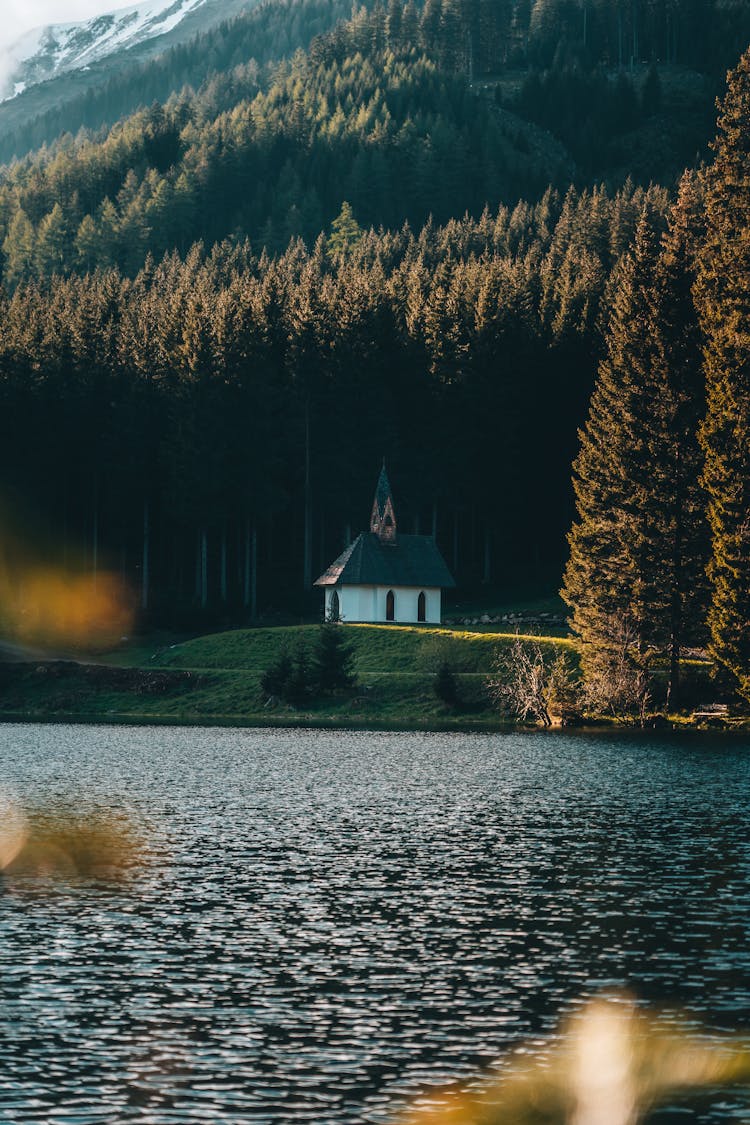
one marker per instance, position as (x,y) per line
(49,51)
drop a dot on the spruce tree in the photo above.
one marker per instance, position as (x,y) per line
(333,660)
(723,298)
(345,231)
(637,548)
(680,548)
(604,576)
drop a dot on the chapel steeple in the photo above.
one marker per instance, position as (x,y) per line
(383,518)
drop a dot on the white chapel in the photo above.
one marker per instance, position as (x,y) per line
(385,576)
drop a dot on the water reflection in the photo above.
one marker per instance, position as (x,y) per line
(340,920)
(610,1064)
(41,845)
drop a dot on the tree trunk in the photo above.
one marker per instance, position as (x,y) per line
(223,565)
(95,537)
(474,567)
(204,569)
(675,624)
(65,529)
(250,578)
(254,573)
(146,559)
(307,564)
(246,567)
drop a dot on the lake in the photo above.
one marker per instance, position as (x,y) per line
(329,922)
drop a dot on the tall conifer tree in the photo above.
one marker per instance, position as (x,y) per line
(638,545)
(723,297)
(604,578)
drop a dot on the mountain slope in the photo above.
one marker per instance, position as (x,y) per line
(52,50)
(48,51)
(52,64)
(120,83)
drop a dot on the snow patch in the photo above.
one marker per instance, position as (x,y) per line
(48,51)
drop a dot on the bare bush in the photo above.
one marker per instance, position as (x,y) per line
(528,686)
(617,681)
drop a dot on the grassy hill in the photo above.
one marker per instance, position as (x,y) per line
(216,679)
(384,649)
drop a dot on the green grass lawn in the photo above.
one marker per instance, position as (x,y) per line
(216,678)
(377,648)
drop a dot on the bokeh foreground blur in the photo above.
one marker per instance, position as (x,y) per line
(46,602)
(612,1064)
(66,842)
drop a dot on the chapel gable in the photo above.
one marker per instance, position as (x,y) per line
(383,517)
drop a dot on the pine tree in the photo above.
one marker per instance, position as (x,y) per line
(297,688)
(18,248)
(679,549)
(723,298)
(445,685)
(638,545)
(332,660)
(604,576)
(345,231)
(51,243)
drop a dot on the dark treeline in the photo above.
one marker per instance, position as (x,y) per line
(162,423)
(659,562)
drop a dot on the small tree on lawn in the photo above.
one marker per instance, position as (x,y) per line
(275,678)
(445,686)
(620,684)
(288,677)
(299,682)
(332,661)
(527,686)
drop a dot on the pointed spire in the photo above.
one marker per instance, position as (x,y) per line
(383,518)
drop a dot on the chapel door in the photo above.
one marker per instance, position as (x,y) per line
(390,606)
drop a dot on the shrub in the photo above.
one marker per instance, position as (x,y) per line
(445,686)
(528,686)
(275,678)
(332,661)
(288,677)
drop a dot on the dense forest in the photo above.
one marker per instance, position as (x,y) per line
(577,42)
(659,562)
(220,313)
(183,396)
(378,112)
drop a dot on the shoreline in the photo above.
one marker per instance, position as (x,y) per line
(311,722)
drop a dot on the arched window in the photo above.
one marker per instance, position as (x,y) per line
(390,606)
(334,611)
(422,607)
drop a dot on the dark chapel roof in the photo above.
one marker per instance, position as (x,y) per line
(383,557)
(412,560)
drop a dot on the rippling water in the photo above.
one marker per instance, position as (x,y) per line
(331,921)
